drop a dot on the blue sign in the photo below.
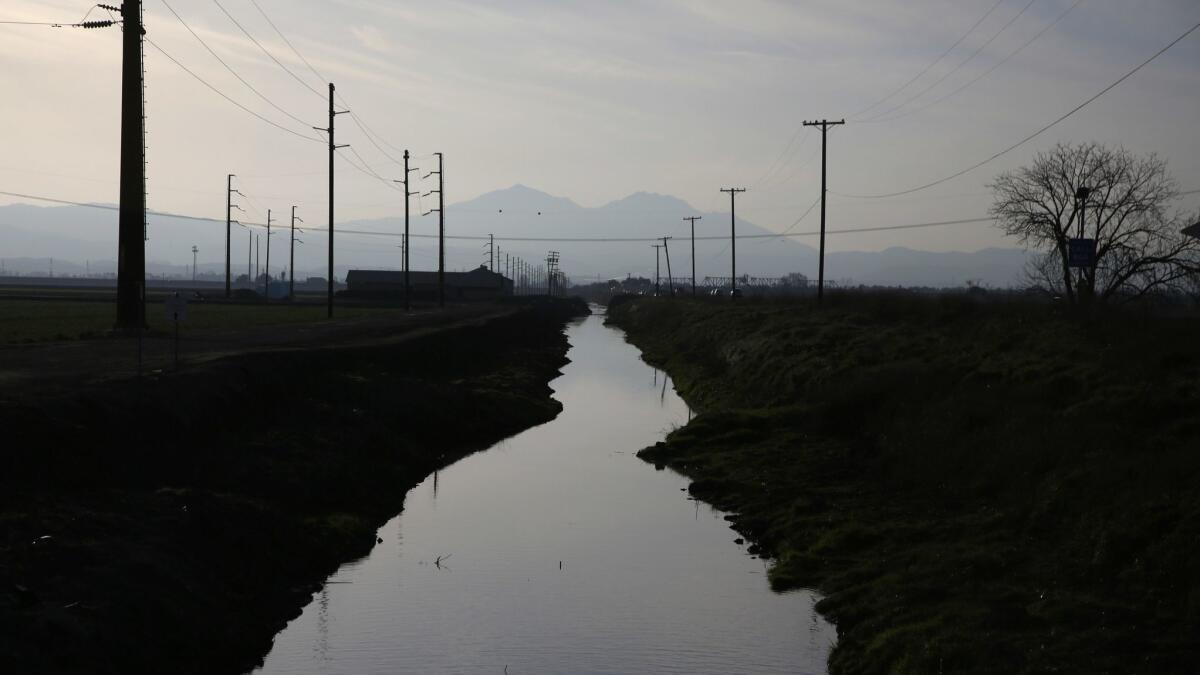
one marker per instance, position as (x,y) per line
(1081,253)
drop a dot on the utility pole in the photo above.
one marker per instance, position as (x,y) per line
(292,258)
(1082,194)
(194,252)
(332,151)
(656,248)
(257,270)
(131,236)
(693,220)
(229,206)
(491,252)
(441,227)
(824,124)
(670,279)
(551,272)
(405,251)
(267,281)
(733,238)
(249,257)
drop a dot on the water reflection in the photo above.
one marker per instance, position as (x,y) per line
(568,554)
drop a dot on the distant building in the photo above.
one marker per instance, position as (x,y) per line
(478,284)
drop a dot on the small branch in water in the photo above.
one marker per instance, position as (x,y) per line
(440,559)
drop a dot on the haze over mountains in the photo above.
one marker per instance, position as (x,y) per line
(83,238)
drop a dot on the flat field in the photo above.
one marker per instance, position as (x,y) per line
(52,320)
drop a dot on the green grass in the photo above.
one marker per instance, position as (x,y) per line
(976,487)
(34,321)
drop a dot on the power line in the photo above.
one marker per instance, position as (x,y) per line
(81,24)
(227,97)
(803,215)
(796,171)
(776,164)
(264,50)
(955,69)
(1035,134)
(934,62)
(566,240)
(362,126)
(361,123)
(230,68)
(366,169)
(287,41)
(985,73)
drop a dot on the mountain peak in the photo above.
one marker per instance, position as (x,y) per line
(650,201)
(519,197)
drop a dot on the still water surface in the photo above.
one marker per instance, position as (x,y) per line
(561,552)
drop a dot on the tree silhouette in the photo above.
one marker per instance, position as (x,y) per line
(1139,246)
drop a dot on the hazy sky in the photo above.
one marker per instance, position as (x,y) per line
(595,100)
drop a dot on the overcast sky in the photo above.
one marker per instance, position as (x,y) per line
(596,100)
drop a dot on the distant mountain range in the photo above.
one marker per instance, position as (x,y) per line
(525,221)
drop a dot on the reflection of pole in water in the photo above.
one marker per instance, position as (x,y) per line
(655,377)
(435,484)
(662,398)
(323,624)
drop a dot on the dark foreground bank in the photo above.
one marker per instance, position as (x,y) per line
(984,488)
(177,523)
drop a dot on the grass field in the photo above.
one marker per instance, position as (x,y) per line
(35,321)
(976,487)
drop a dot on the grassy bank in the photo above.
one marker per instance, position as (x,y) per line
(176,523)
(975,487)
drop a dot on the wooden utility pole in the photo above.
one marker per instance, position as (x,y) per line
(228,233)
(693,220)
(657,276)
(404,247)
(332,151)
(733,238)
(131,235)
(441,227)
(195,250)
(441,231)
(670,278)
(292,258)
(824,124)
(267,280)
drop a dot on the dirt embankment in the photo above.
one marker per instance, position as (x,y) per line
(975,487)
(176,523)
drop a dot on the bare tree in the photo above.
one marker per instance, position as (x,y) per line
(1139,247)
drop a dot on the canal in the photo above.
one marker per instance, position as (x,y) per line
(558,551)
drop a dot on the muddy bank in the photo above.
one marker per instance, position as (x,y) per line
(175,524)
(974,487)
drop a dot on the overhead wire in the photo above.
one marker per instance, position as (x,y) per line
(605,240)
(266,51)
(230,68)
(776,166)
(228,98)
(978,50)
(370,133)
(366,170)
(933,63)
(989,71)
(1035,134)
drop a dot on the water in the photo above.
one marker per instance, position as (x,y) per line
(560,552)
